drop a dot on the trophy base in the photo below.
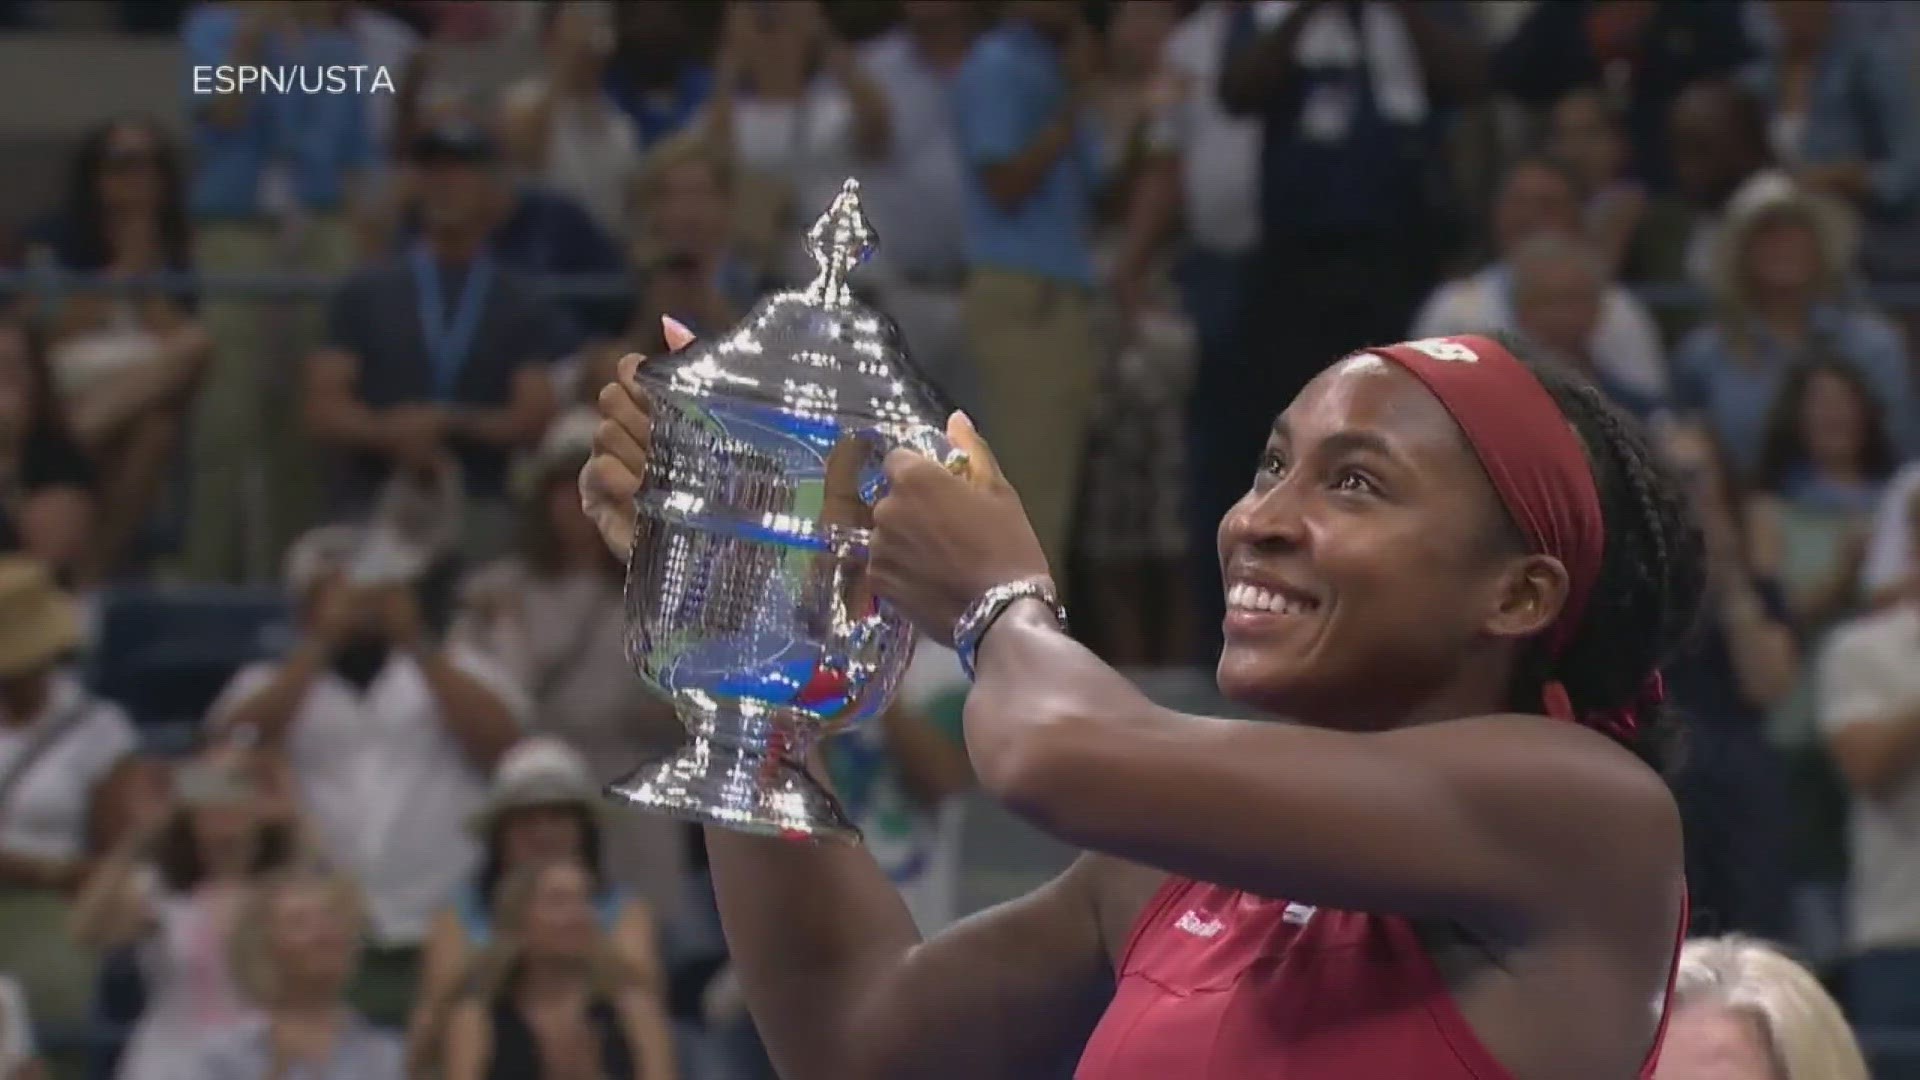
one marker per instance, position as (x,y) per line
(708,782)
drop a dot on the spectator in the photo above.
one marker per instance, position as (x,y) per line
(1353,215)
(174,885)
(46,483)
(1869,691)
(295,947)
(1542,197)
(901,780)
(563,129)
(694,270)
(579,678)
(1741,662)
(1584,132)
(658,75)
(536,230)
(550,1000)
(1823,468)
(1743,1011)
(277,181)
(1718,144)
(916,191)
(389,737)
(125,367)
(793,106)
(1781,298)
(19,1060)
(1559,288)
(1845,116)
(442,351)
(1203,175)
(57,743)
(543,808)
(1644,52)
(1032,164)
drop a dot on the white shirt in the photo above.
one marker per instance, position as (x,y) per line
(1890,548)
(46,815)
(16,1028)
(388,788)
(1625,344)
(807,141)
(1867,673)
(1219,154)
(592,152)
(916,197)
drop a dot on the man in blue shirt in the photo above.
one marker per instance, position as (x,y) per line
(1031,171)
(274,176)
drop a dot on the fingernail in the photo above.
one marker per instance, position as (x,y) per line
(670,325)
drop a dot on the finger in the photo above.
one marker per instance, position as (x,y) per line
(982,468)
(606,483)
(677,335)
(627,368)
(618,405)
(615,441)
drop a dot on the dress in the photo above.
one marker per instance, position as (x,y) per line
(190,986)
(1217,983)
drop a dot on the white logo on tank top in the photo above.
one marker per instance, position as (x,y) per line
(1193,924)
(1298,914)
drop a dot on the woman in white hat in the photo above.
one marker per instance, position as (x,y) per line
(58,743)
(543,807)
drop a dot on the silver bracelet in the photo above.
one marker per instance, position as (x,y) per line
(972,626)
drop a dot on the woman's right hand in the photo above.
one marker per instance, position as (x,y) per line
(611,477)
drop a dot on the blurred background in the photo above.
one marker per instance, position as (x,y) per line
(310,666)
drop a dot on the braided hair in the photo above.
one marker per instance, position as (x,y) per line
(1647,600)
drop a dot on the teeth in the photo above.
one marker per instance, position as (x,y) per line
(1250,597)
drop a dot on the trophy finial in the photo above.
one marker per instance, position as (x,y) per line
(841,240)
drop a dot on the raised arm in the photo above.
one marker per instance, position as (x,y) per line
(841,986)
(1494,818)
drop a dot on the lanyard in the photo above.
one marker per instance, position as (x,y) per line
(448,341)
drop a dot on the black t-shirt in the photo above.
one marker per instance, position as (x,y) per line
(47,460)
(376,317)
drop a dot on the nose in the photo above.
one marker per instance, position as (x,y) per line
(1268,519)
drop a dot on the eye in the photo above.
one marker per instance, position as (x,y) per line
(1271,463)
(1355,481)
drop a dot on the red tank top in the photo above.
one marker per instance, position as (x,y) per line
(1218,984)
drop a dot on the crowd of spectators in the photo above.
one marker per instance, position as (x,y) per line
(337,811)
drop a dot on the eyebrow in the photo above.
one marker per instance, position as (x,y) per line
(1351,440)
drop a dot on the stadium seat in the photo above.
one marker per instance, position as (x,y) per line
(163,653)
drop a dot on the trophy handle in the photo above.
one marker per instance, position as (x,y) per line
(928,441)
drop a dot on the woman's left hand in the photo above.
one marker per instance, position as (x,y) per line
(941,540)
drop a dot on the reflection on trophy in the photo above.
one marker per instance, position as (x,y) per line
(747,602)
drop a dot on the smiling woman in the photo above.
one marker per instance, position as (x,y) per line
(1454,575)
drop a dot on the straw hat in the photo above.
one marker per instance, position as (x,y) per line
(38,622)
(537,771)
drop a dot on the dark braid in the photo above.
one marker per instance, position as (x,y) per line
(1648,597)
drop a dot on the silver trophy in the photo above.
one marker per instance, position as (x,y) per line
(746,593)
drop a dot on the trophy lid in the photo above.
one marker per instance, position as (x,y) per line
(817,350)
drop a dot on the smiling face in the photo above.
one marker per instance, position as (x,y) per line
(1369,570)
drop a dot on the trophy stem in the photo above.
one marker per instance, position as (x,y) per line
(739,772)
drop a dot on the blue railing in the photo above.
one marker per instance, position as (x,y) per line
(276,284)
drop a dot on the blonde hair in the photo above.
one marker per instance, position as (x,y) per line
(1807,1035)
(252,950)
(492,975)
(1771,200)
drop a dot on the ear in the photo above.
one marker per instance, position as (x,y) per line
(1529,595)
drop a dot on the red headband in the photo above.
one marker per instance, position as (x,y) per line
(1539,468)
